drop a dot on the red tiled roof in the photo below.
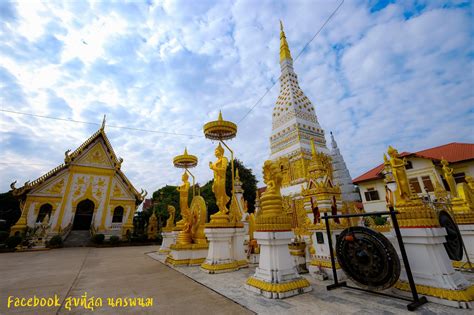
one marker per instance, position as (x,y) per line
(452,152)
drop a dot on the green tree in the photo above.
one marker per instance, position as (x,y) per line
(168,195)
(9,209)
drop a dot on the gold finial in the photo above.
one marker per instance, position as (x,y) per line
(103,123)
(284,49)
(220,116)
(237,177)
(185,151)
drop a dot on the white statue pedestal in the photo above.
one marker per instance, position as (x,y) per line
(467,232)
(298,253)
(432,269)
(276,276)
(226,250)
(238,247)
(169,238)
(320,265)
(187,255)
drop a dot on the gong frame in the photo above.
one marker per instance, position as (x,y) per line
(416,300)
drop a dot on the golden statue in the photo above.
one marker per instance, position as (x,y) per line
(152,226)
(272,216)
(470,182)
(272,178)
(448,175)
(184,236)
(170,221)
(218,187)
(198,220)
(183,199)
(399,174)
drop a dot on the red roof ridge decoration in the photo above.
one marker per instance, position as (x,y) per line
(453,152)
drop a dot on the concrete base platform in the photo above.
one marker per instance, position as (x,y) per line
(318,301)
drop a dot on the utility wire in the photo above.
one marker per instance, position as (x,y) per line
(98,124)
(183,134)
(300,53)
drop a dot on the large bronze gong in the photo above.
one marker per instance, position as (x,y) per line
(453,243)
(368,258)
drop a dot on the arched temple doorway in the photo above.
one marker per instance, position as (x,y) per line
(44,210)
(83,216)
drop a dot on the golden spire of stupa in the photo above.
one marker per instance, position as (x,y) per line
(284,49)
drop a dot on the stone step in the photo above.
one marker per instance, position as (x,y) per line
(77,239)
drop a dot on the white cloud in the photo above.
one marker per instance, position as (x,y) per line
(170,66)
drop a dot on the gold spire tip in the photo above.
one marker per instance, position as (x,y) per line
(220,115)
(284,49)
(103,122)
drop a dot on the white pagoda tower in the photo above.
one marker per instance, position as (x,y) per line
(294,125)
(341,174)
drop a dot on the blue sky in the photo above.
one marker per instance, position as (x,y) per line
(380,73)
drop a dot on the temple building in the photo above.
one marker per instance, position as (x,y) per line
(424,170)
(87,192)
(341,174)
(294,125)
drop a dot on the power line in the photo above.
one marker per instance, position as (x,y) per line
(300,53)
(174,133)
(98,124)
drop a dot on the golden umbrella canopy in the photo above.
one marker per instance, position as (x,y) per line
(185,160)
(220,129)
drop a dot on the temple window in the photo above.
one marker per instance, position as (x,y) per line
(459,178)
(415,185)
(43,211)
(427,183)
(409,165)
(371,194)
(118,215)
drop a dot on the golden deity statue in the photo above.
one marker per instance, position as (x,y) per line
(152,229)
(198,220)
(272,217)
(399,174)
(183,200)
(218,187)
(184,236)
(470,182)
(448,175)
(170,221)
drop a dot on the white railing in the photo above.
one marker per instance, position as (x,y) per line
(116,226)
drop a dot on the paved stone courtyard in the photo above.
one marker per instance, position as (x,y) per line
(318,301)
(105,272)
(137,272)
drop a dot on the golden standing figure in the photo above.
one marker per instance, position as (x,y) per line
(183,198)
(400,175)
(170,221)
(448,175)
(184,236)
(218,187)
